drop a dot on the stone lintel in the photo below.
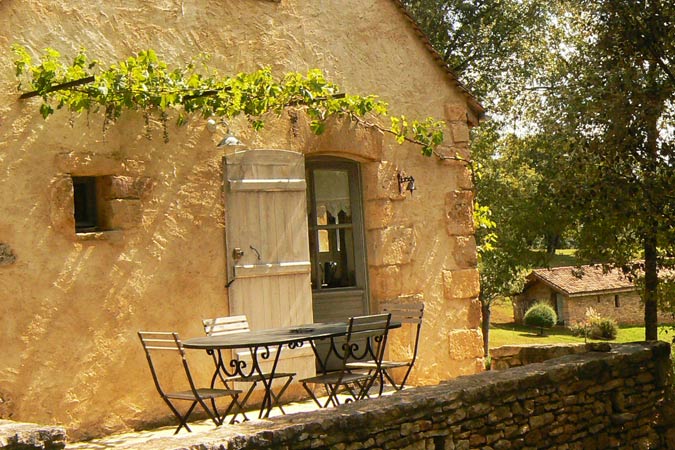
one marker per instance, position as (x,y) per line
(84,164)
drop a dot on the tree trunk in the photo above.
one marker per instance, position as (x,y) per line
(485,327)
(652,114)
(552,243)
(651,285)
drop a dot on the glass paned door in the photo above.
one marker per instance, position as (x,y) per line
(336,239)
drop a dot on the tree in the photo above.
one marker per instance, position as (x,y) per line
(495,47)
(612,112)
(588,89)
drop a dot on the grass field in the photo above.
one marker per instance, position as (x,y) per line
(504,332)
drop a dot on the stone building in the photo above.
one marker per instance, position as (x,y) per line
(573,290)
(170,231)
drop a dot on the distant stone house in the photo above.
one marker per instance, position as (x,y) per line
(573,290)
(104,234)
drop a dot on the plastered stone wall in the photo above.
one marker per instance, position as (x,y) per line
(72,304)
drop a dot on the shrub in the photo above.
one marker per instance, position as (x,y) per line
(595,326)
(540,315)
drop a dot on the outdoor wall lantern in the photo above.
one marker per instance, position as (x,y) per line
(408,181)
(229,139)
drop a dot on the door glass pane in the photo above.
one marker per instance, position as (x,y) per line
(337,265)
(331,189)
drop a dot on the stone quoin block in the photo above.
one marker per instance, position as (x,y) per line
(459,284)
(455,112)
(459,132)
(380,181)
(459,213)
(385,282)
(390,246)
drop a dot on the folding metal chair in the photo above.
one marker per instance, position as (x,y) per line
(365,339)
(237,324)
(165,342)
(410,315)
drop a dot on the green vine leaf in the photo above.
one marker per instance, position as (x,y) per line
(146,83)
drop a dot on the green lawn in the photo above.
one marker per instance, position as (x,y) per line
(511,334)
(503,331)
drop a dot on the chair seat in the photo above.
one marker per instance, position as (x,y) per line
(203,393)
(336,377)
(256,378)
(373,365)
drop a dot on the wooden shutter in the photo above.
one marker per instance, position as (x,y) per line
(265,210)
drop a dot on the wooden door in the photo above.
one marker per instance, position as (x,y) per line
(267,241)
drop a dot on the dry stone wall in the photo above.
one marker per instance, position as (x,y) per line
(594,400)
(508,356)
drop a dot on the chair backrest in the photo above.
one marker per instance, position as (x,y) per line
(366,338)
(225,325)
(407,313)
(164,342)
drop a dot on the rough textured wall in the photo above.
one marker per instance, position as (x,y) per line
(69,354)
(595,400)
(631,309)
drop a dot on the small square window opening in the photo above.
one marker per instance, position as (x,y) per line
(86,204)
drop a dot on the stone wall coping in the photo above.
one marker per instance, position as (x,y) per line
(25,436)
(410,405)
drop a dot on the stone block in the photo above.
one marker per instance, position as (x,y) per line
(124,187)
(7,256)
(459,213)
(461,284)
(391,246)
(458,154)
(465,344)
(460,132)
(379,214)
(380,181)
(339,137)
(19,435)
(463,251)
(121,214)
(61,207)
(385,282)
(83,164)
(455,112)
(474,314)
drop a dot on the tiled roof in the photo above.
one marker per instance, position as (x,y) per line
(477,108)
(575,281)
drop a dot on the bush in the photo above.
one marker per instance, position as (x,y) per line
(540,315)
(595,326)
